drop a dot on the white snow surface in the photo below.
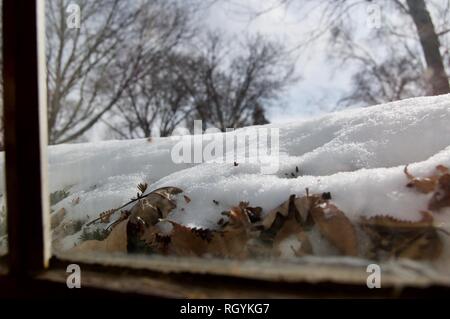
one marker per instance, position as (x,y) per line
(358,155)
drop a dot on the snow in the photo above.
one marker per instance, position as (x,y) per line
(357,154)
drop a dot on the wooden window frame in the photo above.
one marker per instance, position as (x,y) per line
(29,270)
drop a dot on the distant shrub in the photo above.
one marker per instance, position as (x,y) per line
(58,196)
(95,234)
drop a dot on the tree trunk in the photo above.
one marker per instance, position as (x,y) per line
(430,45)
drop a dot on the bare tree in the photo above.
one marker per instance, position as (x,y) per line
(224,87)
(90,68)
(234,88)
(415,50)
(429,41)
(398,74)
(399,71)
(156,104)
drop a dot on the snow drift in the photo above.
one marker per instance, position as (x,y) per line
(357,155)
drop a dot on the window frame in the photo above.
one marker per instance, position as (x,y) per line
(25,135)
(30,270)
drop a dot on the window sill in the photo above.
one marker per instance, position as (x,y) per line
(131,277)
(214,278)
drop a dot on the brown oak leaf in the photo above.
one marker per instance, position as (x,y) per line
(422,184)
(292,232)
(147,212)
(186,241)
(394,238)
(335,227)
(441,197)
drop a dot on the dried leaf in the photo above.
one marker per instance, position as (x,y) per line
(442,169)
(292,232)
(304,205)
(57,218)
(106,216)
(103,217)
(185,241)
(282,210)
(424,185)
(228,242)
(156,205)
(271,216)
(335,227)
(253,213)
(297,209)
(124,214)
(441,197)
(385,221)
(168,192)
(391,237)
(238,218)
(142,187)
(152,240)
(231,243)
(427,184)
(326,196)
(426,245)
(147,212)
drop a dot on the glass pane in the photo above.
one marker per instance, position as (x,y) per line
(146,101)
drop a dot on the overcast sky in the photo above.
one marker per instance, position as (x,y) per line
(321,85)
